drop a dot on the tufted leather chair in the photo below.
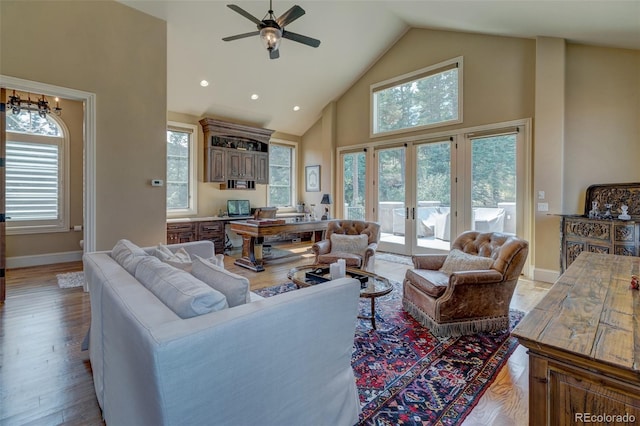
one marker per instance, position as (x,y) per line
(322,249)
(466,302)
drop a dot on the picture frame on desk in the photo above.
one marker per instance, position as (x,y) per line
(312,178)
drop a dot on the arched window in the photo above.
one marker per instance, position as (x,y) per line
(36,187)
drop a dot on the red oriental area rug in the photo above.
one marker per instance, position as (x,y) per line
(407,376)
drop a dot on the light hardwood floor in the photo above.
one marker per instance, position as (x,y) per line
(45,379)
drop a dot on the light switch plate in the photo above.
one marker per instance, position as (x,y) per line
(543,207)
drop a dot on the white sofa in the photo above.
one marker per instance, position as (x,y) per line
(282,360)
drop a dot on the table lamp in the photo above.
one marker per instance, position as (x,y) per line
(326,200)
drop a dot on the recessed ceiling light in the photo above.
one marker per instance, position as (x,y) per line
(204,83)
(254,96)
(296,108)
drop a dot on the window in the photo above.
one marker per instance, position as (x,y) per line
(36,174)
(181,169)
(281,174)
(425,98)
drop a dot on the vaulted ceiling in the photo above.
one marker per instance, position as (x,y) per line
(353,34)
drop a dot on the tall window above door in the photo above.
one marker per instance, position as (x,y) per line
(282,171)
(426,98)
(181,169)
(37,193)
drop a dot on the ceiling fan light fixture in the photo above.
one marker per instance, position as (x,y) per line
(271,37)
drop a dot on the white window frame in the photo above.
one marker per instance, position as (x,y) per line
(61,224)
(408,78)
(192,130)
(294,173)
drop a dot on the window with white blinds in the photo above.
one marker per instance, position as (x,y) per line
(35,178)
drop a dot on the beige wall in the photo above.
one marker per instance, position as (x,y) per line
(498,72)
(602,139)
(88,46)
(59,242)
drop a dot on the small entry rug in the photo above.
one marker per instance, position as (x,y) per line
(407,376)
(70,279)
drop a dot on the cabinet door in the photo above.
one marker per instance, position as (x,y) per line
(216,166)
(262,168)
(234,164)
(248,166)
(214,232)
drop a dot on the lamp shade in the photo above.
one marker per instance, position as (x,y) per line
(326,199)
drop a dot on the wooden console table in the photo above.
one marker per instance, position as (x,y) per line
(253,235)
(583,341)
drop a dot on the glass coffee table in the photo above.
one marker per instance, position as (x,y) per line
(372,286)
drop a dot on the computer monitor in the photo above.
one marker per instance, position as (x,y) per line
(238,208)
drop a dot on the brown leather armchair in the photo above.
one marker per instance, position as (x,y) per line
(363,260)
(466,302)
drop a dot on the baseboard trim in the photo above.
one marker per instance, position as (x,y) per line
(545,275)
(43,259)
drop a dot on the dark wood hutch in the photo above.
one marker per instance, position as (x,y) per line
(235,155)
(602,235)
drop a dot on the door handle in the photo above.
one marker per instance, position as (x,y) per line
(406,214)
(413,213)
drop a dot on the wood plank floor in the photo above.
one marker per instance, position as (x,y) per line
(45,378)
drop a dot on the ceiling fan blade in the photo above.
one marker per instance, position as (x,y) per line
(236,37)
(290,15)
(244,13)
(301,38)
(274,54)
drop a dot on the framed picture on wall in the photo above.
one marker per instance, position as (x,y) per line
(312,178)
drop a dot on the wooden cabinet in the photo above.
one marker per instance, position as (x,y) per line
(213,231)
(597,235)
(182,232)
(235,155)
(580,234)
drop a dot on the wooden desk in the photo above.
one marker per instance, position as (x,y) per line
(253,234)
(584,344)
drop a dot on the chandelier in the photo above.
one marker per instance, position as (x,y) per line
(41,106)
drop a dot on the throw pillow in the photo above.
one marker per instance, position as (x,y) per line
(458,260)
(233,286)
(179,259)
(349,243)
(128,255)
(180,291)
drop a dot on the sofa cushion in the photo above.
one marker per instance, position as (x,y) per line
(458,260)
(233,286)
(433,283)
(180,291)
(128,255)
(349,243)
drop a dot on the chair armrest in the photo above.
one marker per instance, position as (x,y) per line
(428,261)
(371,250)
(475,277)
(321,247)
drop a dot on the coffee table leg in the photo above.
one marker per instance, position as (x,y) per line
(373,312)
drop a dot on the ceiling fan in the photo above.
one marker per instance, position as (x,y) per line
(271,29)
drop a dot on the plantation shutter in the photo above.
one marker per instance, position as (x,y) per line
(32,181)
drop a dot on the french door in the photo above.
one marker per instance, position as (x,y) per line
(424,192)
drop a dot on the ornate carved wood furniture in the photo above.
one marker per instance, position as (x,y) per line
(235,155)
(597,235)
(583,340)
(467,301)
